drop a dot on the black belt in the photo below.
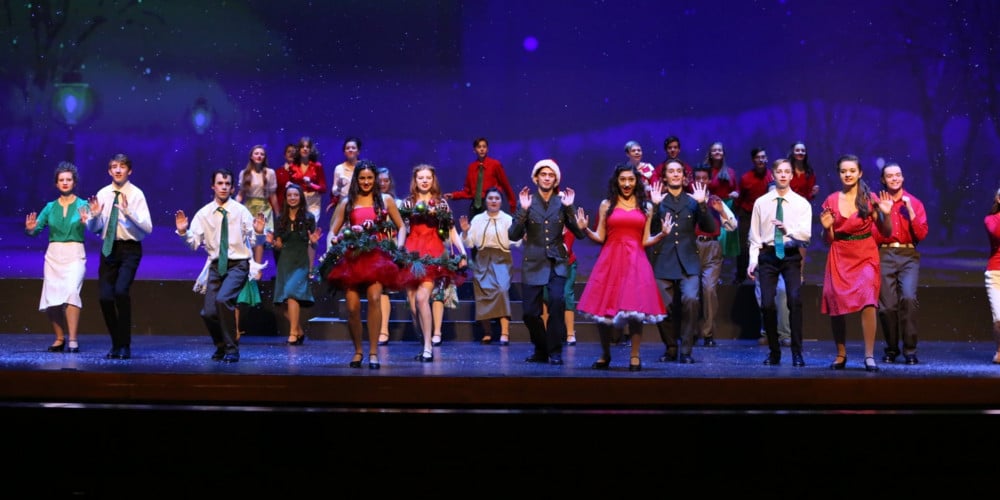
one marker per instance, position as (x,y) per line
(702,237)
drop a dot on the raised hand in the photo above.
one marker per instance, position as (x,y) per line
(524,198)
(826,217)
(885,202)
(315,235)
(668,223)
(716,203)
(582,221)
(568,195)
(656,192)
(31,221)
(181,220)
(699,191)
(258,223)
(95,206)
(84,214)
(123,203)
(463,223)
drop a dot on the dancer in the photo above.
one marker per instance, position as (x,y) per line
(295,232)
(992,223)
(307,172)
(539,221)
(227,231)
(65,257)
(614,294)
(851,282)
(343,172)
(257,190)
(429,220)
(387,185)
(360,255)
(482,174)
(493,265)
(119,213)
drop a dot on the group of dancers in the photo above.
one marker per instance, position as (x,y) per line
(660,228)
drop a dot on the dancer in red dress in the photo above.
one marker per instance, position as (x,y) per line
(363,254)
(615,293)
(430,223)
(852,279)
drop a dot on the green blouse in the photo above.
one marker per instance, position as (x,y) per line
(62,228)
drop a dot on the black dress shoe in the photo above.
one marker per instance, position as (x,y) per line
(57,347)
(668,356)
(839,365)
(114,353)
(637,367)
(773,360)
(911,359)
(555,360)
(218,354)
(890,357)
(424,357)
(709,342)
(535,358)
(125,353)
(355,363)
(373,363)
(686,359)
(601,364)
(231,357)
(797,360)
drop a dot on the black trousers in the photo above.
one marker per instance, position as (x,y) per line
(115,276)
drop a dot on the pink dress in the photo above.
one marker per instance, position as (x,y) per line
(852,279)
(621,285)
(360,269)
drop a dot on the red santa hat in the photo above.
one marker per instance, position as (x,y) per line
(548,162)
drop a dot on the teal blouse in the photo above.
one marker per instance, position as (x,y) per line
(62,228)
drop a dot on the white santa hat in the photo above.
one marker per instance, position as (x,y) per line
(548,162)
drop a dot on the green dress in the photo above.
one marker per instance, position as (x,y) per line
(292,277)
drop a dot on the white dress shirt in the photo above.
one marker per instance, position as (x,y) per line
(797,217)
(134,222)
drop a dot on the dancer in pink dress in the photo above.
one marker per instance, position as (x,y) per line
(619,288)
(852,279)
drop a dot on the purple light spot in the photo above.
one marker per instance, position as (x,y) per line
(530,43)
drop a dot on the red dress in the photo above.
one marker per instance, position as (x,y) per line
(620,283)
(359,269)
(852,279)
(424,239)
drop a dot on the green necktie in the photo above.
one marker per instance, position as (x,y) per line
(478,201)
(224,242)
(112,229)
(779,237)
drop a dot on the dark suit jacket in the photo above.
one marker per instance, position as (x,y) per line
(541,228)
(676,255)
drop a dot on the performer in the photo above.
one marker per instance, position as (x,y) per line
(227,231)
(780,223)
(539,221)
(65,257)
(615,292)
(429,220)
(360,255)
(493,175)
(343,172)
(493,266)
(851,282)
(675,260)
(992,223)
(121,216)
(633,151)
(257,190)
(900,267)
(387,185)
(307,172)
(295,232)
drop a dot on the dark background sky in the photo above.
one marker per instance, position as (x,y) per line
(914,82)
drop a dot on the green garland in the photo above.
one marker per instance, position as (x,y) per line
(435,213)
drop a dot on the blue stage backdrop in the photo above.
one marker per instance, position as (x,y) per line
(184,87)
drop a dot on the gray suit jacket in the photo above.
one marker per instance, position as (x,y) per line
(676,255)
(541,230)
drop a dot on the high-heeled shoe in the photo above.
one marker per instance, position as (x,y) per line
(839,366)
(504,339)
(58,347)
(383,338)
(636,367)
(602,364)
(356,363)
(425,357)
(871,367)
(373,363)
(487,339)
(571,339)
(73,347)
(435,340)
(299,339)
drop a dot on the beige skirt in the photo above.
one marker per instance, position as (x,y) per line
(65,267)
